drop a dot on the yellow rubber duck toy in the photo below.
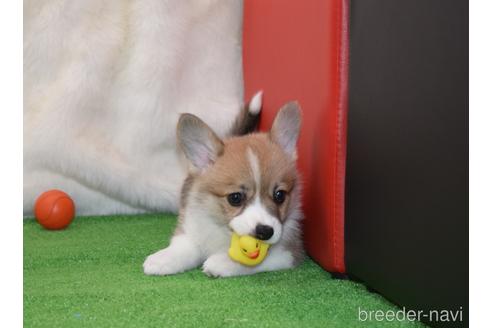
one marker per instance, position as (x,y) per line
(247,250)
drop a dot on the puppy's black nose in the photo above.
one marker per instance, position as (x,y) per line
(263,232)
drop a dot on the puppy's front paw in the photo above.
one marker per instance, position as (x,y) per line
(161,263)
(220,265)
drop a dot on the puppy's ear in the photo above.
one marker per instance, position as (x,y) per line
(199,143)
(285,128)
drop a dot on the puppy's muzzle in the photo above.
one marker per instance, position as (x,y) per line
(263,232)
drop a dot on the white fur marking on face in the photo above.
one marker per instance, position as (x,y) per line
(255,167)
(254,214)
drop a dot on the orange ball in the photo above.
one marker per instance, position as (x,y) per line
(54,209)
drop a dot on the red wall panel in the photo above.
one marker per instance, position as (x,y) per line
(298,50)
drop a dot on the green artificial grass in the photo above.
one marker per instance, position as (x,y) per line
(90,275)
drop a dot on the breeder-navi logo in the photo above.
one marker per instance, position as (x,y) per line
(411,315)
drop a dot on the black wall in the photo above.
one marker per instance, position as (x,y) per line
(407,156)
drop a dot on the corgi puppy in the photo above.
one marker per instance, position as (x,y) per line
(246,184)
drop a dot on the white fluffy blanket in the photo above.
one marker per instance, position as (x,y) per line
(104,84)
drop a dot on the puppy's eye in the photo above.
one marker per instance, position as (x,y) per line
(279,196)
(235,199)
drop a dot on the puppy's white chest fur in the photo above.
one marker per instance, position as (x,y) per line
(206,233)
